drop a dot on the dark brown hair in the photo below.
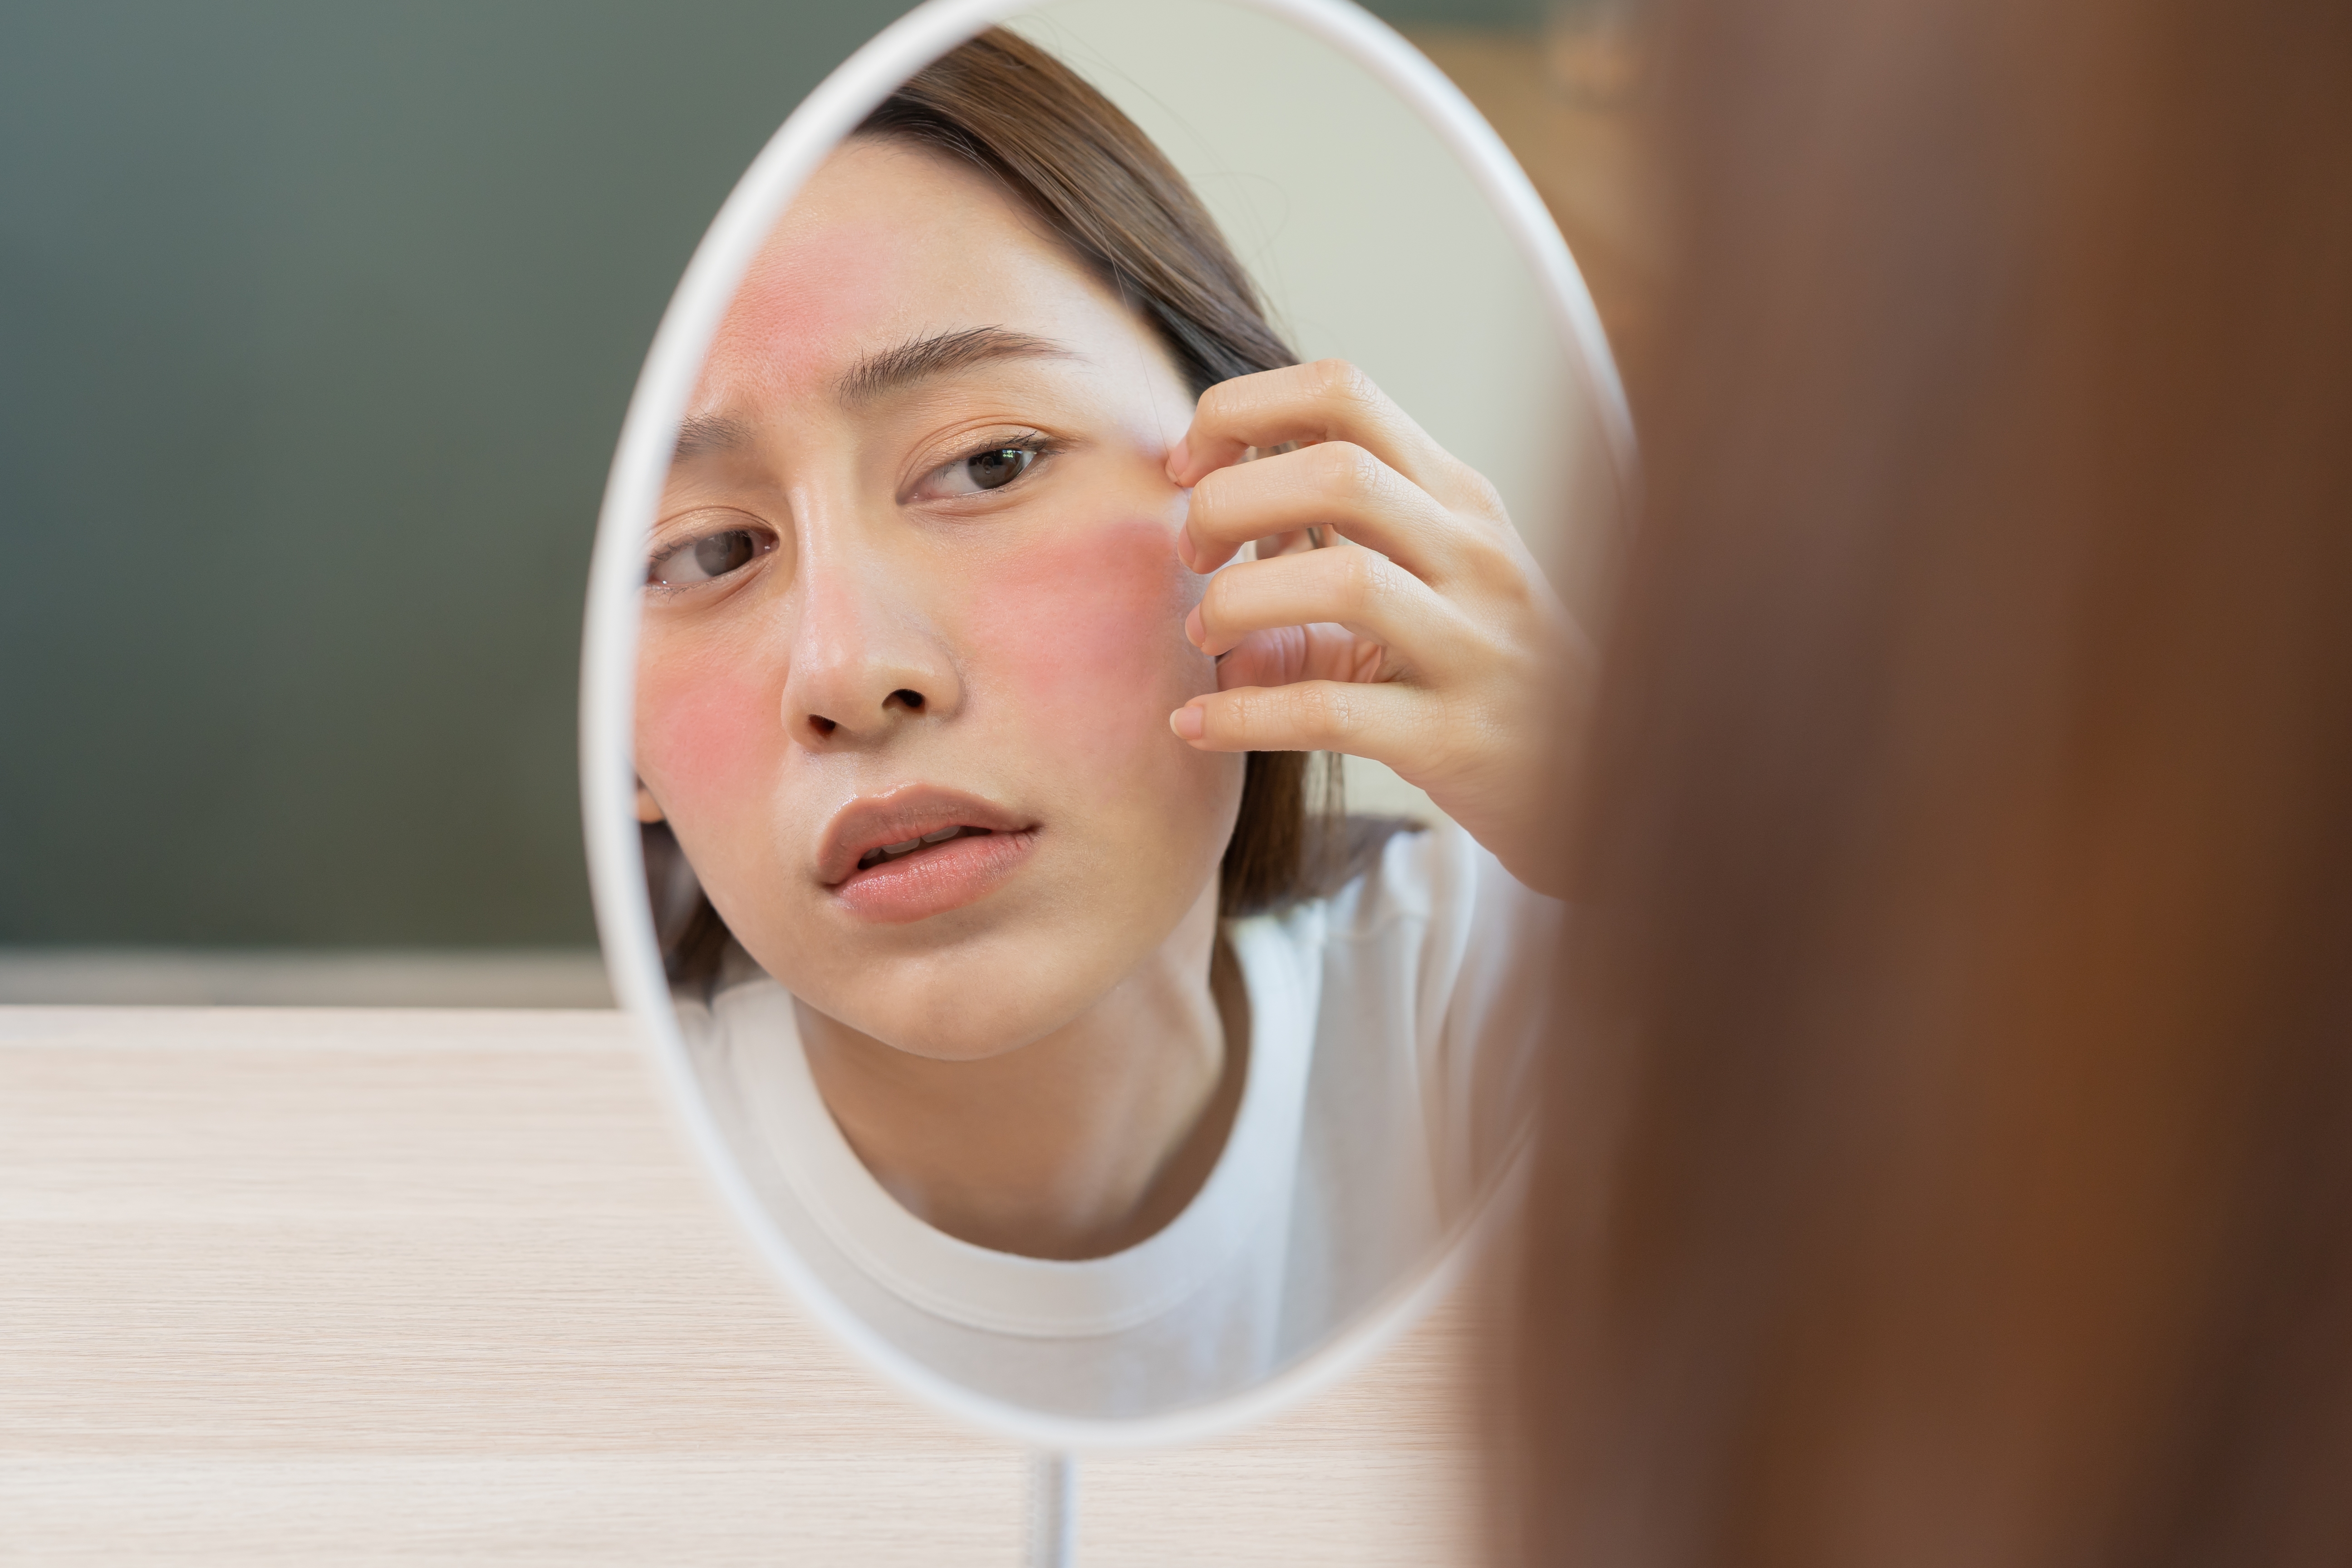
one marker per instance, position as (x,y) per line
(1952,1158)
(1062,149)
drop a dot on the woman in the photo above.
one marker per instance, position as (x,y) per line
(976,671)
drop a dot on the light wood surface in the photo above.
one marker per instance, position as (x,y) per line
(298,977)
(358,1287)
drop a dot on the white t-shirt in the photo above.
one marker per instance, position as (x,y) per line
(1390,1034)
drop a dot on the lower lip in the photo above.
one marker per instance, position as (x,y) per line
(935,878)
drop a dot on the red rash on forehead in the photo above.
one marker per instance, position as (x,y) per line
(886,246)
(812,300)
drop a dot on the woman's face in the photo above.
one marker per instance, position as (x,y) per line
(914,581)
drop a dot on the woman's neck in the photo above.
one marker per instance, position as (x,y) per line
(1078,1144)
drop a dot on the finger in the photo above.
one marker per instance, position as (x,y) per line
(1285,654)
(1380,722)
(1329,400)
(1337,484)
(1367,594)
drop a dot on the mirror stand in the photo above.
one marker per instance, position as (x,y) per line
(1053,1510)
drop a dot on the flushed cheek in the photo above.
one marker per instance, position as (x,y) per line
(1087,636)
(707,736)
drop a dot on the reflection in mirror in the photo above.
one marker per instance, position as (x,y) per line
(1012,591)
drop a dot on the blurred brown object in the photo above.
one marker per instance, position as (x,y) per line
(1592,50)
(1952,1159)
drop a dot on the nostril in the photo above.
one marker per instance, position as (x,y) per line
(821,724)
(912,700)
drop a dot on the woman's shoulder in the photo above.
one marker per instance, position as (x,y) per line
(1432,909)
(1406,871)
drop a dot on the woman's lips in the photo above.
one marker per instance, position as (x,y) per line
(935,878)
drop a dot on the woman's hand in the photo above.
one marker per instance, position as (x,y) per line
(1428,640)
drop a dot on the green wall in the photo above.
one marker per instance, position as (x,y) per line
(316,326)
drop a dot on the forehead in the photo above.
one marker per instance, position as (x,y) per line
(888,244)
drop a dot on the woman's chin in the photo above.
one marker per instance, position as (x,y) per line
(963,1018)
(961,1042)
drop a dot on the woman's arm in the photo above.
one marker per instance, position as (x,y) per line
(1431,642)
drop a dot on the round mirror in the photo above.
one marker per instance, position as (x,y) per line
(1101,1080)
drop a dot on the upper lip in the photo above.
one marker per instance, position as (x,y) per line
(910,812)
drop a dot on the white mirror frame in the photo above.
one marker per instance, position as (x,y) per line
(608,656)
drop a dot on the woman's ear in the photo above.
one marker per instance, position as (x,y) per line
(648,809)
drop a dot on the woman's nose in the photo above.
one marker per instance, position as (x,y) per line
(864,662)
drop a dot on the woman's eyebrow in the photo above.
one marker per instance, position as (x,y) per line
(892,369)
(703,435)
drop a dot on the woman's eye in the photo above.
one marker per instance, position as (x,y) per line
(990,470)
(706,558)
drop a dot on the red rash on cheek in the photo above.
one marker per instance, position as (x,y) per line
(706,729)
(1086,633)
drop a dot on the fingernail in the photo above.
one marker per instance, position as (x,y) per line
(1196,632)
(1189,722)
(1178,456)
(1184,550)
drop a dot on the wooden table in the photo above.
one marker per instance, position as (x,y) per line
(371,1285)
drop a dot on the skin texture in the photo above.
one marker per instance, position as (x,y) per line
(1033,1069)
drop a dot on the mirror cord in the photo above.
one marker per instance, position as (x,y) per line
(1053,1510)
